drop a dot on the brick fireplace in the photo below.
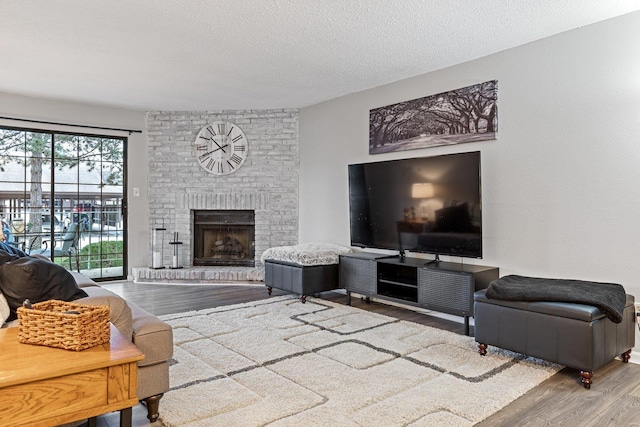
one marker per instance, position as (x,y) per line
(267,185)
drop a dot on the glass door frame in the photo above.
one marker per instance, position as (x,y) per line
(78,197)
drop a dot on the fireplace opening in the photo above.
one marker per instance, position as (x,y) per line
(224,237)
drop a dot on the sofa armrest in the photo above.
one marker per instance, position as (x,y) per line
(152,336)
(81,280)
(120,313)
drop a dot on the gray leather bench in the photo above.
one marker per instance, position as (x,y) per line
(575,335)
(305,269)
(300,279)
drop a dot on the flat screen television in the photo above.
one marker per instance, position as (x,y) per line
(425,204)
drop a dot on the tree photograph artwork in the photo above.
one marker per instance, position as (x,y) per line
(463,115)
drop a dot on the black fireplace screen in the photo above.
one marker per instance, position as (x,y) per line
(224,237)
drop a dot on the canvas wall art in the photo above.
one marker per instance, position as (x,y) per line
(463,115)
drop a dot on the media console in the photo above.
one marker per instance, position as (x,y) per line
(445,286)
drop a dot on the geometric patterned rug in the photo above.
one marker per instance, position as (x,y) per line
(279,362)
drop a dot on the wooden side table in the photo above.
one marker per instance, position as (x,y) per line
(44,386)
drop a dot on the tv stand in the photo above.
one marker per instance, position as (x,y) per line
(440,286)
(400,256)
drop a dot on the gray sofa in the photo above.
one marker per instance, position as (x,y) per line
(579,336)
(151,335)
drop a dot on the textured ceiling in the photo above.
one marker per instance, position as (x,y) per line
(256,54)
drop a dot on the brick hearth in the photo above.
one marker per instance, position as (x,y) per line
(199,274)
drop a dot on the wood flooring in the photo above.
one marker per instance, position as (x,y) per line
(613,400)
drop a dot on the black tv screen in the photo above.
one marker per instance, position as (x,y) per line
(426,204)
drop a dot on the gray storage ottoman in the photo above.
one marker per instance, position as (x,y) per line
(305,269)
(575,335)
(300,279)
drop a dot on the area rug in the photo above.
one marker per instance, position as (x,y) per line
(279,362)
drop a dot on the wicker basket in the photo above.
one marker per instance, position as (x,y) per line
(49,324)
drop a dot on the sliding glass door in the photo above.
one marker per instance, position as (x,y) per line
(63,196)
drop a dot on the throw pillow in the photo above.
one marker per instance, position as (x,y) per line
(7,256)
(306,253)
(38,280)
(4,310)
(11,249)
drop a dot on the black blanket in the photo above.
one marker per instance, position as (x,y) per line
(608,297)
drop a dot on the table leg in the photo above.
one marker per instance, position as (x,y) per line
(125,417)
(92,422)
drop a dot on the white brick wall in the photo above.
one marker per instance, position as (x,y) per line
(267,182)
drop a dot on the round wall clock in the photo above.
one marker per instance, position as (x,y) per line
(221,148)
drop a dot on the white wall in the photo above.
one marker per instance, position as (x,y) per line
(24,107)
(561,185)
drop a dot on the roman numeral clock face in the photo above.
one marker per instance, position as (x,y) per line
(221,148)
